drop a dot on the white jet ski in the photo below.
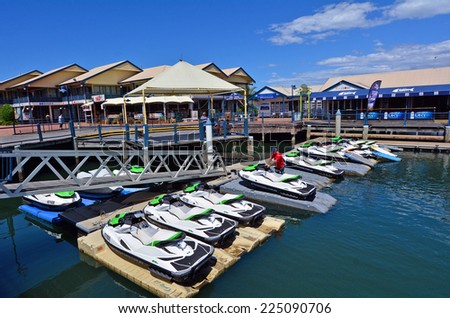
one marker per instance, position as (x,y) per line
(288,185)
(100,193)
(58,201)
(321,167)
(201,223)
(230,205)
(168,254)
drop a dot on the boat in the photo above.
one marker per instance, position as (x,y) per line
(99,193)
(168,210)
(170,255)
(58,201)
(321,167)
(230,205)
(289,185)
(384,154)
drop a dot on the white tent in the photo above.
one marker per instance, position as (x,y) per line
(184,79)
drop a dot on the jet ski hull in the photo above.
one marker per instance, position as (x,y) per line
(308,193)
(176,265)
(299,164)
(196,222)
(50,202)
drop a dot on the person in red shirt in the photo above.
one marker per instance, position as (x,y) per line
(277,160)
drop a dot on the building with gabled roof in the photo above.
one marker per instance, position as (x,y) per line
(7,96)
(410,94)
(42,92)
(79,93)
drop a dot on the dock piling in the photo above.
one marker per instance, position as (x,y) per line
(18,160)
(338,123)
(365,134)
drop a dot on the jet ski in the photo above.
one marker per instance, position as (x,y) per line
(168,254)
(323,152)
(230,205)
(100,193)
(201,223)
(288,185)
(318,166)
(58,201)
(384,154)
(133,170)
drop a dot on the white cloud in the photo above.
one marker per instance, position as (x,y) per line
(412,9)
(398,58)
(403,57)
(348,15)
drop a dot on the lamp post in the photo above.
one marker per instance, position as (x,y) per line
(293,87)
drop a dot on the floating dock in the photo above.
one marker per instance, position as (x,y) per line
(247,239)
(321,203)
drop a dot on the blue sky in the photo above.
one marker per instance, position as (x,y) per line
(276,42)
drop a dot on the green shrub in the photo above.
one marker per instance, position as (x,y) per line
(6,115)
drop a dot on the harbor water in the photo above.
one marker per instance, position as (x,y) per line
(387,236)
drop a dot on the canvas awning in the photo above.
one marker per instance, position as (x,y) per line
(153,99)
(390,92)
(185,79)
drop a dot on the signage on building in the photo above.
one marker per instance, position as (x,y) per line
(394,115)
(98,98)
(267,96)
(87,107)
(422,115)
(370,115)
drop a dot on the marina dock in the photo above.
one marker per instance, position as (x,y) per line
(247,239)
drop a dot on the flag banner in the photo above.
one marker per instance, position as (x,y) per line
(373,94)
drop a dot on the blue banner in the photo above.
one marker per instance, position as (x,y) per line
(394,115)
(373,94)
(267,96)
(373,115)
(422,115)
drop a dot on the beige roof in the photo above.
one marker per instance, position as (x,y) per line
(240,72)
(19,79)
(287,91)
(212,69)
(53,78)
(127,67)
(429,76)
(146,74)
(185,79)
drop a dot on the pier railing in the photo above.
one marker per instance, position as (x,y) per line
(48,171)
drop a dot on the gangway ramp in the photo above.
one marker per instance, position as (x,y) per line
(51,171)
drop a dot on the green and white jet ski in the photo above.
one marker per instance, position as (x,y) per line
(168,254)
(296,160)
(201,223)
(58,201)
(230,205)
(288,185)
